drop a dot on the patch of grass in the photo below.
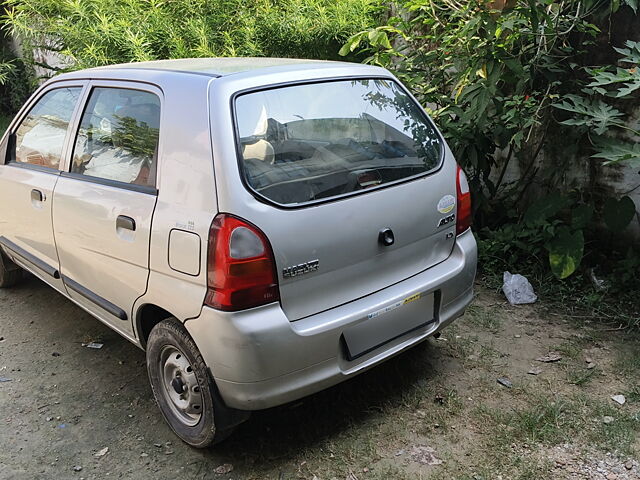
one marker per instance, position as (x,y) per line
(546,421)
(627,360)
(460,348)
(552,421)
(570,349)
(580,376)
(437,415)
(617,436)
(633,394)
(485,317)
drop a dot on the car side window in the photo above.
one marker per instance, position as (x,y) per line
(41,134)
(118,136)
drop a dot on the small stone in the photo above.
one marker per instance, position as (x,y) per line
(628,465)
(550,357)
(607,419)
(588,360)
(48,419)
(168,452)
(223,469)
(77,468)
(517,336)
(505,382)
(535,371)
(158,445)
(591,366)
(612,476)
(619,399)
(144,455)
(101,453)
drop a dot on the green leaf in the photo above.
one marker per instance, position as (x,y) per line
(351,44)
(593,114)
(379,38)
(614,151)
(629,77)
(631,54)
(565,251)
(544,208)
(633,4)
(618,213)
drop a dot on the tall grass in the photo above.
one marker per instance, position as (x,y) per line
(90,33)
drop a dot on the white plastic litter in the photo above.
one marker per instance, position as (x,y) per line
(517,289)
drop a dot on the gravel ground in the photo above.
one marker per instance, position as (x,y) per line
(71,412)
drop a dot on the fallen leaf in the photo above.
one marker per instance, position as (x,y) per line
(535,371)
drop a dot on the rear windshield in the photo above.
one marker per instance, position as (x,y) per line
(310,142)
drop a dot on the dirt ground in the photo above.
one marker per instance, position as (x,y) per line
(436,411)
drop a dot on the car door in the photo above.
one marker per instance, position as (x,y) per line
(35,148)
(104,202)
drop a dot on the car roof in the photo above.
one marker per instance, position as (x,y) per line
(219,67)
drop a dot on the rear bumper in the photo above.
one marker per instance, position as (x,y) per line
(260,359)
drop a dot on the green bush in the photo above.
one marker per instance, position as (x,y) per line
(507,80)
(90,33)
(16,84)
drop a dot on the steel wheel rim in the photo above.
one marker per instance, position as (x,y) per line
(180,388)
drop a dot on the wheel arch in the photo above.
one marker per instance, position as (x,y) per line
(147,317)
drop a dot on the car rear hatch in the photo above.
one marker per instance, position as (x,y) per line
(356,188)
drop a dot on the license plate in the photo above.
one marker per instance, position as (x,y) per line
(388,323)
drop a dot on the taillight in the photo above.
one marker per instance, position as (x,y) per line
(463,214)
(241,269)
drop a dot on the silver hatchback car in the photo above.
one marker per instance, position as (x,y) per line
(262,228)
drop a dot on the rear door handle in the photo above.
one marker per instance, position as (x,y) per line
(125,222)
(37,195)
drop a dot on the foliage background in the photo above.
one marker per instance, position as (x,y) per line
(90,33)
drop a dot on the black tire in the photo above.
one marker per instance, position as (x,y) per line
(10,273)
(216,421)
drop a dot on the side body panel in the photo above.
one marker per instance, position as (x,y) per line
(109,261)
(186,200)
(26,196)
(27,224)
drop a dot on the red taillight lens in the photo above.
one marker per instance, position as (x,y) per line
(463,215)
(241,269)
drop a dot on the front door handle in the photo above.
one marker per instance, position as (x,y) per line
(126,223)
(37,195)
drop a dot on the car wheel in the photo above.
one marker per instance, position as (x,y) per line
(184,388)
(10,273)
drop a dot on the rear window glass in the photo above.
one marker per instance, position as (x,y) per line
(316,141)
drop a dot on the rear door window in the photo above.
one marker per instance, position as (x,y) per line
(304,143)
(41,134)
(118,136)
